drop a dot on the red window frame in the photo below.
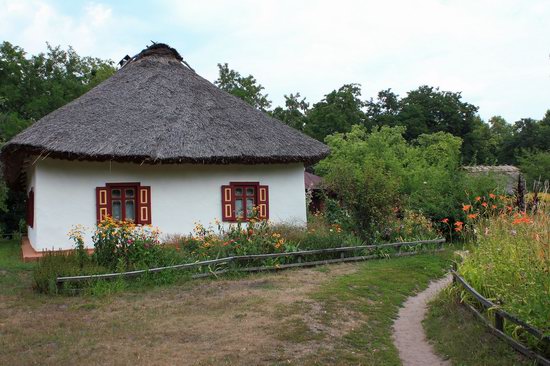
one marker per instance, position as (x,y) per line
(244,197)
(229,199)
(30,208)
(123,186)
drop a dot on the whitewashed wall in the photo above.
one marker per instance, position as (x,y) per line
(64,194)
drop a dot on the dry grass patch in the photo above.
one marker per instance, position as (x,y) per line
(267,318)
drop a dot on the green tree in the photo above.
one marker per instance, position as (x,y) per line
(528,134)
(246,88)
(535,165)
(30,88)
(337,112)
(294,113)
(384,110)
(501,134)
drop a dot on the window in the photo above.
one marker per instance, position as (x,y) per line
(124,201)
(240,199)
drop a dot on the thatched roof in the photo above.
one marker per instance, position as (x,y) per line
(506,169)
(157,110)
(509,173)
(312,181)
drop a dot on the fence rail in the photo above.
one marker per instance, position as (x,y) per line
(499,317)
(298,254)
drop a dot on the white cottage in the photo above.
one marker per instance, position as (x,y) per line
(157,144)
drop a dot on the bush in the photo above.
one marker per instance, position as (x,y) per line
(375,173)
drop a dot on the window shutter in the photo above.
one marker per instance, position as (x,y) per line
(30,208)
(228,209)
(101,203)
(263,202)
(144,205)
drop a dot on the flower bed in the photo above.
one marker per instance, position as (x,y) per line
(123,246)
(510,263)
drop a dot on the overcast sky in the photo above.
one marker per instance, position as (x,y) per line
(497,53)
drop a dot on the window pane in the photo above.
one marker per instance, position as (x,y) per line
(129,193)
(239,207)
(238,191)
(249,207)
(117,209)
(249,191)
(130,210)
(115,193)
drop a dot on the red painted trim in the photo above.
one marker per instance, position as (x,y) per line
(255,197)
(122,186)
(30,208)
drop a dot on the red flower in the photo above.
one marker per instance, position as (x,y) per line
(466,207)
(478,198)
(484,204)
(472,216)
(445,220)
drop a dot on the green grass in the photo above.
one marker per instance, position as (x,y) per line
(14,274)
(375,292)
(369,297)
(460,337)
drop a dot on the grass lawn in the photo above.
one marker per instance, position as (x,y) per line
(339,314)
(457,335)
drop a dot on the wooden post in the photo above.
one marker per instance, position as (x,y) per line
(499,321)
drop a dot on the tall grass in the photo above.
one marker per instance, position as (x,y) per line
(510,265)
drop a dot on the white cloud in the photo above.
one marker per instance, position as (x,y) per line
(495,52)
(94,31)
(486,49)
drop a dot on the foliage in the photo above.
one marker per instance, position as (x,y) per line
(528,134)
(535,165)
(337,112)
(510,263)
(242,87)
(124,245)
(30,88)
(408,226)
(58,264)
(294,113)
(375,173)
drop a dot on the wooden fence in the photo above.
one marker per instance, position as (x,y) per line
(299,255)
(500,316)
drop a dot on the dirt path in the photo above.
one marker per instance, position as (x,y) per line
(408,334)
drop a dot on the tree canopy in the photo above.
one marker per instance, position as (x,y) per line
(30,88)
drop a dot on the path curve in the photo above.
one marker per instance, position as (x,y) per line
(408,333)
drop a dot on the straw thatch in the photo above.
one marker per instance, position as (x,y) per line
(157,110)
(508,173)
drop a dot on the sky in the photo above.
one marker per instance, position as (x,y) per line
(497,53)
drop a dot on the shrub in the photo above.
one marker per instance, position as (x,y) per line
(409,226)
(374,173)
